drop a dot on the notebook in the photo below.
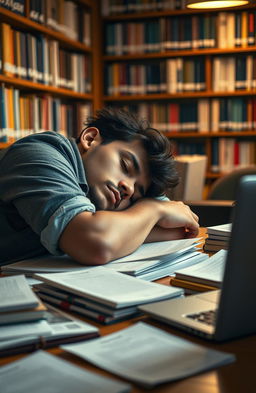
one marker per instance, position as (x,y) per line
(230,312)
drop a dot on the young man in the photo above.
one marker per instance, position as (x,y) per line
(93,199)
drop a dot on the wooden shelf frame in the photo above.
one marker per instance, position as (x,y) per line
(158,14)
(180,53)
(31,26)
(180,96)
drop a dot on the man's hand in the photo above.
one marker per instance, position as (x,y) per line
(178,215)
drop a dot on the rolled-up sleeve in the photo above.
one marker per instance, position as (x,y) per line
(43,178)
(59,220)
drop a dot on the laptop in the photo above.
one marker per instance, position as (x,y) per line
(230,312)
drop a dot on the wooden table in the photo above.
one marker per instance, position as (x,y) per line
(239,377)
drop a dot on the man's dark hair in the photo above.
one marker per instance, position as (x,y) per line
(119,124)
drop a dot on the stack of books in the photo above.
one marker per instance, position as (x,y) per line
(100,293)
(218,237)
(27,324)
(204,276)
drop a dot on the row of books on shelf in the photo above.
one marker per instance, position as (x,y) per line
(202,115)
(229,73)
(229,154)
(234,73)
(38,59)
(166,76)
(224,30)
(23,114)
(65,16)
(111,7)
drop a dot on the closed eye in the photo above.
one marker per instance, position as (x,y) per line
(124,165)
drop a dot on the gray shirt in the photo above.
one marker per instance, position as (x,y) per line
(42,187)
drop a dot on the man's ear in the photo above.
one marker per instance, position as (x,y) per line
(90,137)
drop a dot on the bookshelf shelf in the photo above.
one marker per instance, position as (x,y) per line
(39,87)
(184,95)
(228,134)
(179,53)
(158,14)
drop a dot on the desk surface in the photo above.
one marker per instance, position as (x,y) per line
(238,377)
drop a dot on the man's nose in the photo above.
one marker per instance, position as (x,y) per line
(126,188)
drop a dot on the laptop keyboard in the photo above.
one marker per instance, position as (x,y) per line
(207,317)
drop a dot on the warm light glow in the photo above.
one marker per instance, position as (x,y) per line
(217,4)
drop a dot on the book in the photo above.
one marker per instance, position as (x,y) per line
(41,370)
(209,272)
(86,307)
(152,356)
(27,315)
(57,328)
(16,294)
(190,287)
(191,170)
(109,287)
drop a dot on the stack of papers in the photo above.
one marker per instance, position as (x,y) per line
(18,301)
(24,319)
(218,237)
(205,276)
(148,355)
(42,372)
(100,293)
(149,262)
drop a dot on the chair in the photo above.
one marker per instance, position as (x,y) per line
(217,209)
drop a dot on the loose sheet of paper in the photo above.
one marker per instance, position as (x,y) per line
(148,355)
(42,372)
(158,249)
(212,269)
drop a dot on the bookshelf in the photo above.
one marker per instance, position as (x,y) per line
(49,66)
(222,123)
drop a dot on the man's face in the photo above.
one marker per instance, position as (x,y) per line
(117,173)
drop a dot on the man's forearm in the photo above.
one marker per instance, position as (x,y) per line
(105,235)
(97,238)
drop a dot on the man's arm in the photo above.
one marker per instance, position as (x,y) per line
(97,238)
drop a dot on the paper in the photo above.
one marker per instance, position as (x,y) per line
(15,294)
(223,229)
(148,355)
(42,372)
(58,264)
(109,287)
(210,271)
(158,249)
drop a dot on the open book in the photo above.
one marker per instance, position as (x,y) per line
(57,328)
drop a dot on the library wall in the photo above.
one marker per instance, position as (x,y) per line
(191,73)
(46,63)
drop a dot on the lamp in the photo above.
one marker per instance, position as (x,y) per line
(209,4)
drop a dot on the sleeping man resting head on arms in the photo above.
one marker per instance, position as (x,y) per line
(96,198)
